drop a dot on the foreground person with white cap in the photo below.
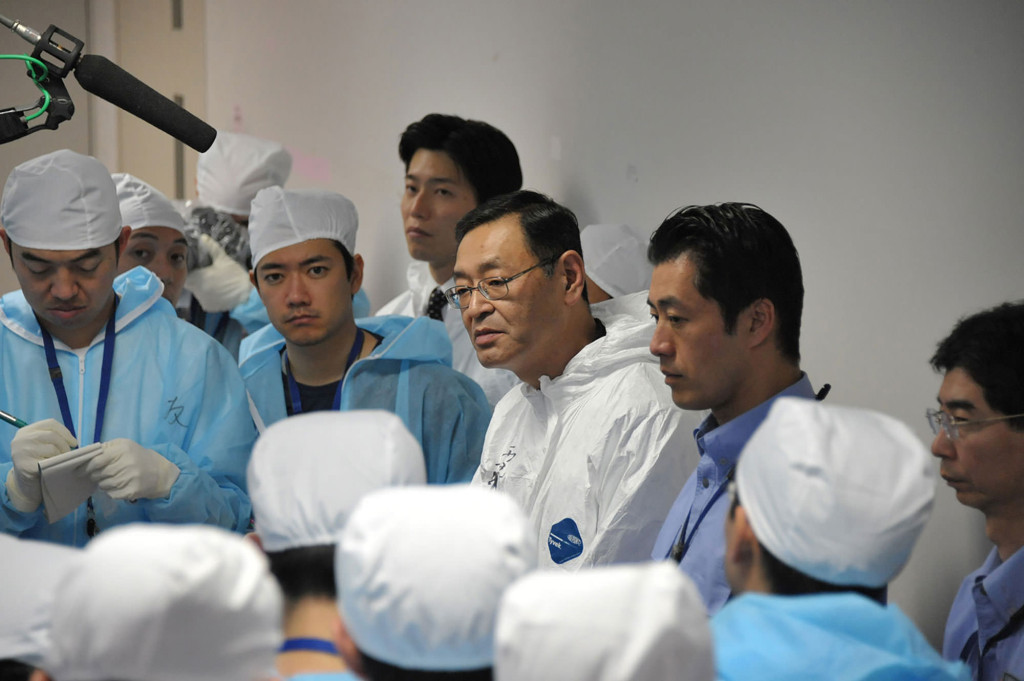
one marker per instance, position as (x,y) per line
(420,574)
(314,357)
(827,505)
(168,405)
(305,476)
(165,603)
(31,569)
(622,623)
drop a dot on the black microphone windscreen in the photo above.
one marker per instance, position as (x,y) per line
(107,80)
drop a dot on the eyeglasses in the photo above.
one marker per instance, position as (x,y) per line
(493,288)
(954,427)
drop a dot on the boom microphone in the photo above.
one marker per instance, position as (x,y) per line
(107,80)
(103,78)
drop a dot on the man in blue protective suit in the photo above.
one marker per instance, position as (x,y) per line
(315,357)
(979,439)
(87,358)
(727,295)
(228,176)
(826,507)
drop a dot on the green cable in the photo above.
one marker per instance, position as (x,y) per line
(32,64)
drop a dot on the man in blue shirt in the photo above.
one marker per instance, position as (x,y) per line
(727,294)
(979,439)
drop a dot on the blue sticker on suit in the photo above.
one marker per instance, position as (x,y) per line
(564,541)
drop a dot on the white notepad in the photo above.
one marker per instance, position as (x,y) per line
(64,482)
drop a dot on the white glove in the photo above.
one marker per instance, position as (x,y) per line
(32,444)
(223,283)
(127,470)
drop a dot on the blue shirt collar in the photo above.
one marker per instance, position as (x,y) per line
(1003,584)
(723,444)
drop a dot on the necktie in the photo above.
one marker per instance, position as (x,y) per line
(436,304)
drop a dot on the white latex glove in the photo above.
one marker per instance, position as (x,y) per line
(223,283)
(127,470)
(32,444)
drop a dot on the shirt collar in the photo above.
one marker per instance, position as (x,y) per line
(724,443)
(1002,581)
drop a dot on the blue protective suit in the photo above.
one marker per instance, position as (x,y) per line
(409,374)
(840,637)
(220,326)
(173,390)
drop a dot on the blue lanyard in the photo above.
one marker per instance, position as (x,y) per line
(106,369)
(293,387)
(683,545)
(317,645)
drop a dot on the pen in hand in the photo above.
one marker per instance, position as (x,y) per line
(13,420)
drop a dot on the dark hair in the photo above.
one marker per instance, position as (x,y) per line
(788,581)
(484,154)
(14,670)
(378,670)
(550,229)
(346,257)
(741,254)
(305,572)
(989,346)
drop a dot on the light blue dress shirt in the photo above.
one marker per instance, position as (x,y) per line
(704,502)
(986,623)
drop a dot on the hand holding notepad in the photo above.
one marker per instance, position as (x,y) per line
(65,482)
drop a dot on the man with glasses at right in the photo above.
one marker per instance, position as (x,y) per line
(979,439)
(590,443)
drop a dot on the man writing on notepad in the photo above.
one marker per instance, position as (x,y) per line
(167,407)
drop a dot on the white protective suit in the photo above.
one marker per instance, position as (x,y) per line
(596,456)
(413,303)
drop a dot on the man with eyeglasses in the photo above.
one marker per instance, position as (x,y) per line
(314,357)
(589,443)
(979,439)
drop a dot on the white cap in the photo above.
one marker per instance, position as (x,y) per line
(307,472)
(616,259)
(282,218)
(420,571)
(838,493)
(62,201)
(236,167)
(31,568)
(166,603)
(143,205)
(623,623)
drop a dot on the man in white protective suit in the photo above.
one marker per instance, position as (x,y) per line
(589,443)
